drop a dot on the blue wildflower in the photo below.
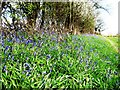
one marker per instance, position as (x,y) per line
(48,56)
(22,79)
(76,47)
(91,50)
(93,67)
(87,62)
(38,43)
(34,53)
(43,33)
(27,42)
(9,55)
(2,43)
(27,70)
(9,40)
(81,48)
(108,75)
(12,57)
(27,58)
(95,63)
(87,66)
(50,70)
(23,72)
(44,72)
(3,33)
(30,41)
(27,74)
(62,53)
(22,39)
(53,39)
(34,44)
(4,69)
(90,61)
(11,35)
(17,40)
(81,60)
(26,66)
(52,32)
(6,48)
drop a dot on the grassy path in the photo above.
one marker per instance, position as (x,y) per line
(112,43)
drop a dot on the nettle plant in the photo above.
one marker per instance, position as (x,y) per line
(43,62)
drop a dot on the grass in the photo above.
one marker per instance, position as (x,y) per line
(42,62)
(114,41)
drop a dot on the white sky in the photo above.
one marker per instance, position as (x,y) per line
(110,20)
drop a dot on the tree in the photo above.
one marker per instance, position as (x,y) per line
(79,16)
(99,26)
(30,9)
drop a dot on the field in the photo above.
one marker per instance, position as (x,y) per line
(85,61)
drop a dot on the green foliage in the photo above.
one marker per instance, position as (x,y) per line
(77,62)
(79,15)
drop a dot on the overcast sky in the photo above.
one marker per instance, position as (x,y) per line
(111,20)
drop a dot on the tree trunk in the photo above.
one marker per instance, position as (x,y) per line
(43,16)
(31,18)
(67,22)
